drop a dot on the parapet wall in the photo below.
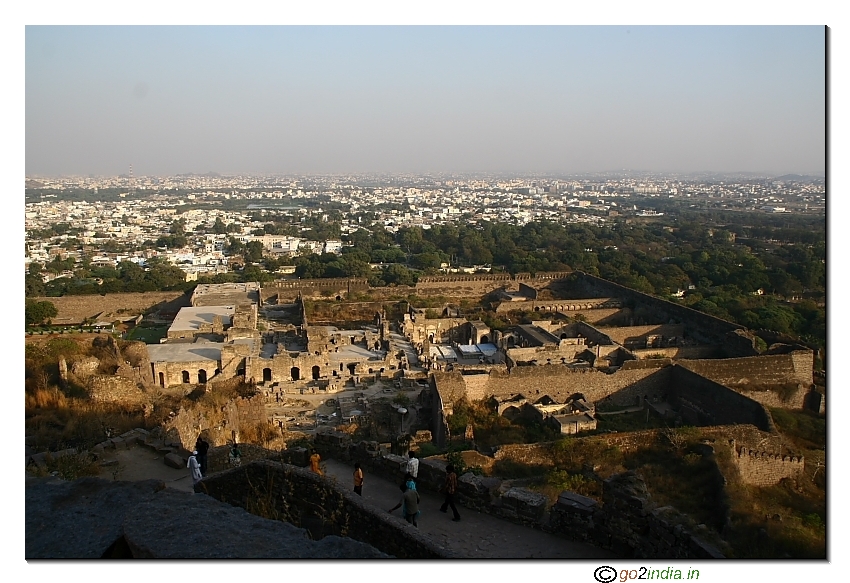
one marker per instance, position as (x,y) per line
(300,497)
(759,468)
(627,522)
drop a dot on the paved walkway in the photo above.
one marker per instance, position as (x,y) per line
(477,535)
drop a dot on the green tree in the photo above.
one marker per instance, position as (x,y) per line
(39,312)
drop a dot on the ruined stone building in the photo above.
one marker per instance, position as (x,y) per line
(601,341)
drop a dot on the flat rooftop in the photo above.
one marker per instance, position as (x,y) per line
(191,319)
(185,352)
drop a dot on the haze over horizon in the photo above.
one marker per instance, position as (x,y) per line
(437,99)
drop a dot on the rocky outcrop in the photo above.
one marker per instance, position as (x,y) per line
(94,518)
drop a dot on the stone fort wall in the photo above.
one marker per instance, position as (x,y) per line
(74,309)
(624,387)
(701,401)
(760,468)
(707,329)
(795,367)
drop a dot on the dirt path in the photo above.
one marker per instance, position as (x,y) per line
(140,463)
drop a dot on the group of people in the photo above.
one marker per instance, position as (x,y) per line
(410,499)
(197,462)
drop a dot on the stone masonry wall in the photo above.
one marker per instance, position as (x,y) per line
(623,388)
(707,329)
(760,468)
(702,401)
(299,496)
(114,389)
(74,309)
(767,369)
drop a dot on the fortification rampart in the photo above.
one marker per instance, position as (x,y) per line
(775,380)
(764,370)
(707,329)
(75,309)
(680,352)
(624,387)
(701,401)
(759,468)
(288,290)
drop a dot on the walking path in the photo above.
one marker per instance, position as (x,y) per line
(477,535)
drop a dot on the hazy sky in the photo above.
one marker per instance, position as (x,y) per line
(424,99)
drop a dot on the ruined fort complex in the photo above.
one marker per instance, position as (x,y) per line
(594,344)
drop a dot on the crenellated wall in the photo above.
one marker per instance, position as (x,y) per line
(759,468)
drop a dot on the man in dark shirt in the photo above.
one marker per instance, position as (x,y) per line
(450,490)
(202,447)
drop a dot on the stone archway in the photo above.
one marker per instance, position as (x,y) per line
(316,372)
(485,339)
(202,376)
(161,379)
(296,373)
(185,374)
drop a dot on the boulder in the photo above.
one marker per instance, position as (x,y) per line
(93,518)
(217,530)
(174,461)
(79,519)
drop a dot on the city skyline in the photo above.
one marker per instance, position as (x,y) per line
(400,99)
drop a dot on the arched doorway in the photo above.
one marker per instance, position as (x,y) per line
(202,376)
(296,373)
(185,377)
(161,379)
(352,367)
(485,339)
(316,372)
(267,375)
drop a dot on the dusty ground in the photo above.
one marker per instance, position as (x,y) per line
(141,463)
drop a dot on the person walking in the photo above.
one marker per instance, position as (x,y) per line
(314,463)
(409,504)
(235,456)
(450,489)
(358,479)
(412,465)
(202,448)
(194,468)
